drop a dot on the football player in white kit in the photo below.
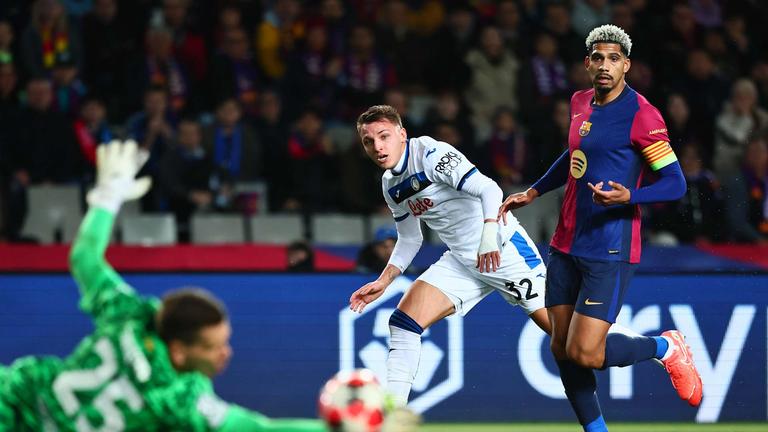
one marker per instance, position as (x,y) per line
(431,180)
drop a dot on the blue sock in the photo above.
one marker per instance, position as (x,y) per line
(596,425)
(662,345)
(580,386)
(622,350)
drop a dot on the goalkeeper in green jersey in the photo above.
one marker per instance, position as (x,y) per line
(149,362)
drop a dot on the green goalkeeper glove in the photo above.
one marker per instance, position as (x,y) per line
(116,166)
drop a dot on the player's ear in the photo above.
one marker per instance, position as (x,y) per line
(586,62)
(403,133)
(627,64)
(177,353)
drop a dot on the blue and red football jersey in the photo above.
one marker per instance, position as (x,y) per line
(617,141)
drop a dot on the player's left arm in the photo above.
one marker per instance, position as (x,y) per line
(649,136)
(450,166)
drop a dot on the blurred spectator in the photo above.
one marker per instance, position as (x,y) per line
(9,91)
(740,118)
(623,16)
(91,129)
(705,90)
(449,107)
(588,14)
(46,151)
(739,43)
(336,20)
(680,37)
(185,176)
(707,13)
(557,22)
(510,25)
(277,35)
(230,18)
(235,75)
(760,77)
(48,34)
(301,257)
(159,68)
(508,149)
(549,142)
(450,46)
(641,78)
(398,99)
(493,83)
(234,146)
(365,73)
(402,45)
(374,256)
(68,89)
(153,127)
(698,214)
(542,80)
(682,131)
(447,132)
(578,78)
(109,41)
(188,46)
(310,151)
(312,73)
(273,131)
(360,181)
(8,51)
(747,194)
(726,60)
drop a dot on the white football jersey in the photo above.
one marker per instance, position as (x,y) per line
(426,183)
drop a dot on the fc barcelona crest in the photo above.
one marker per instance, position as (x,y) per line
(585,127)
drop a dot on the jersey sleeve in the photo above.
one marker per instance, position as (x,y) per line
(649,135)
(104,294)
(190,404)
(443,163)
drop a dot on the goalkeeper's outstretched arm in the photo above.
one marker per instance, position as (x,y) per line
(99,284)
(242,420)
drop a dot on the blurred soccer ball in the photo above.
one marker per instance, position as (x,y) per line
(353,401)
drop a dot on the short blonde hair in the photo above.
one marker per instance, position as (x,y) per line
(609,33)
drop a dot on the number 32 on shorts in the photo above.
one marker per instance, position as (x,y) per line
(517,289)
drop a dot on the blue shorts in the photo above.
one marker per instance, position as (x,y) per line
(595,288)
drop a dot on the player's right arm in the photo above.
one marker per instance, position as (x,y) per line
(556,176)
(408,243)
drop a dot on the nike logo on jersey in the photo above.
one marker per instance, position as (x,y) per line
(430,152)
(589,302)
(541,275)
(576,115)
(613,251)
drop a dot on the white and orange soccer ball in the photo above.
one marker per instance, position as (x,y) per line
(353,401)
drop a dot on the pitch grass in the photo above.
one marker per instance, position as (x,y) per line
(613,427)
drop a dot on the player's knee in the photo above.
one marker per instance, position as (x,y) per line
(558,349)
(401,320)
(584,357)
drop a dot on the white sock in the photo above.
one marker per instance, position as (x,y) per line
(618,328)
(402,363)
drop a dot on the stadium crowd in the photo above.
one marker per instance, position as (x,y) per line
(229,92)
